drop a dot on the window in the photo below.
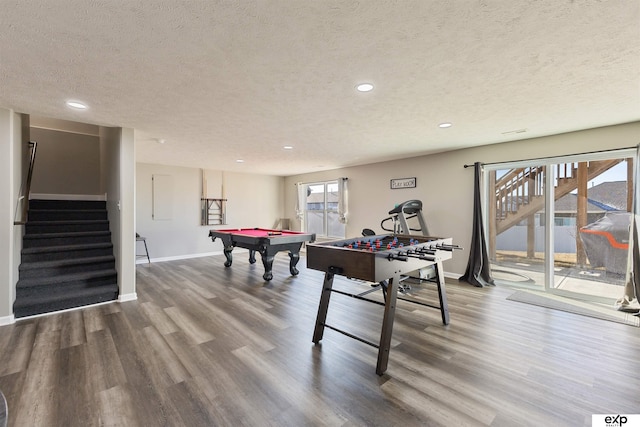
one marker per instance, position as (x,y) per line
(322,209)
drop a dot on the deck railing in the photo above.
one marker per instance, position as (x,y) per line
(519,192)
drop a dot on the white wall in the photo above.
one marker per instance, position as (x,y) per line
(118,149)
(127,208)
(66,163)
(10,234)
(444,186)
(252,201)
(21,161)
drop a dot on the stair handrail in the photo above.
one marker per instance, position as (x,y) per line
(24,197)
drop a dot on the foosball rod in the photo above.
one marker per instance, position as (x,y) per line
(404,256)
(445,247)
(426,257)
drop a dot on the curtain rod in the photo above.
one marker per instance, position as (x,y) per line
(318,182)
(553,157)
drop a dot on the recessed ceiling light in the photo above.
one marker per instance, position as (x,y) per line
(77,105)
(288,147)
(160,140)
(239,161)
(445,125)
(364,87)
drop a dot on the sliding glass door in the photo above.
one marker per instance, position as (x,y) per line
(561,225)
(517,236)
(321,210)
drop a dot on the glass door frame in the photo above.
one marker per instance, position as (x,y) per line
(549,211)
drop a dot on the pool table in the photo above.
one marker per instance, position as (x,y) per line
(265,241)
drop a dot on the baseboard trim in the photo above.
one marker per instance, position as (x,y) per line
(452,275)
(82,307)
(127,297)
(7,320)
(43,196)
(188,256)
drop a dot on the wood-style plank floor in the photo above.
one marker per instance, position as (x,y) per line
(206,345)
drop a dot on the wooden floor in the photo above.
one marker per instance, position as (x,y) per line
(206,345)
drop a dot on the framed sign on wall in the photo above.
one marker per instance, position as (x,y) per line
(403,183)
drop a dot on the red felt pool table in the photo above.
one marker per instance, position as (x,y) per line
(266,241)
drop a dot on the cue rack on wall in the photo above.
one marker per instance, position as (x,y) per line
(213,212)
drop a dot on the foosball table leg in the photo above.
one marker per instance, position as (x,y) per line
(387,324)
(442,293)
(323,307)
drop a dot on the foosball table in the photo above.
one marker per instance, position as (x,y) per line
(384,260)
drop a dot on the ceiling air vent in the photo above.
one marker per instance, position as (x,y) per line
(513,132)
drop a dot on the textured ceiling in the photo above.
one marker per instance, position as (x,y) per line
(227,80)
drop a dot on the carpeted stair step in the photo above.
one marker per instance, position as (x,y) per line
(36,204)
(66,214)
(68,283)
(52,253)
(67,257)
(48,303)
(41,227)
(63,239)
(65,266)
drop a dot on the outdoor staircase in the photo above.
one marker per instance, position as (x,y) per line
(520,192)
(67,257)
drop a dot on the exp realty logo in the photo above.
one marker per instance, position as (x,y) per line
(615,420)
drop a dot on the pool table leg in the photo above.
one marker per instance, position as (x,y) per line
(269,252)
(252,256)
(228,256)
(295,257)
(267,261)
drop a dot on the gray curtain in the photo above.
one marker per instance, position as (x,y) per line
(629,300)
(478,269)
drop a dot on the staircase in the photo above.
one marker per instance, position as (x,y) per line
(520,192)
(67,257)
